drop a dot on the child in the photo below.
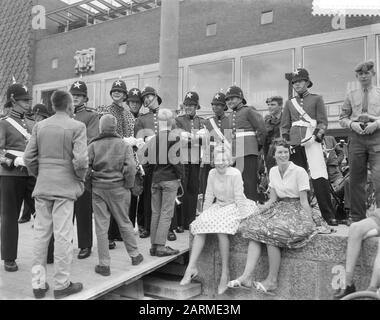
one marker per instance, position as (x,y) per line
(165,183)
(112,172)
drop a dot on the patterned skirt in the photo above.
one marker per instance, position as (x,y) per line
(221,219)
(284,224)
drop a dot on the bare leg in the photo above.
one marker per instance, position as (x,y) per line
(224,248)
(357,233)
(274,257)
(253,255)
(196,249)
(375,279)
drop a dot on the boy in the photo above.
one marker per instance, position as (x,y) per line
(112,171)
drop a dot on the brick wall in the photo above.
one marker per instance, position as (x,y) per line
(16,44)
(238,25)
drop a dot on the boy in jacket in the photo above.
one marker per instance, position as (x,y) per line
(112,173)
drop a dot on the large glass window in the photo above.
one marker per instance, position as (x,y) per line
(263,76)
(331,68)
(209,78)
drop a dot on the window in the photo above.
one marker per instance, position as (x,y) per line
(54,63)
(263,76)
(331,67)
(209,78)
(267,17)
(122,48)
(211,29)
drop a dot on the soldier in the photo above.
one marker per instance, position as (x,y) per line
(361,114)
(146,127)
(304,122)
(15,182)
(248,134)
(190,157)
(272,125)
(83,206)
(215,126)
(134,102)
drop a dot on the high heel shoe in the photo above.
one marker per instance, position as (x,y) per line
(189,275)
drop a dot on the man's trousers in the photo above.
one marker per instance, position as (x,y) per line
(83,214)
(248,167)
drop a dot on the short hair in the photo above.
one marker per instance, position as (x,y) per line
(61,99)
(277,99)
(279,142)
(365,66)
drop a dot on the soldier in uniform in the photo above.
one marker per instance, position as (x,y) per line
(304,122)
(15,182)
(83,206)
(219,122)
(190,157)
(146,127)
(272,125)
(248,136)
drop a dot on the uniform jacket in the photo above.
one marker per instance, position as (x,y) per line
(111,162)
(57,155)
(12,139)
(147,121)
(272,125)
(352,106)
(190,149)
(314,106)
(333,158)
(246,118)
(222,123)
(90,119)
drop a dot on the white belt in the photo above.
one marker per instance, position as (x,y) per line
(301,123)
(15,153)
(245,134)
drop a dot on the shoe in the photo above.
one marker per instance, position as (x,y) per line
(189,275)
(144,234)
(179,230)
(260,288)
(23,220)
(153,252)
(119,239)
(340,293)
(40,293)
(103,270)
(332,222)
(167,251)
(84,253)
(111,245)
(50,260)
(172,236)
(351,220)
(237,284)
(10,266)
(137,260)
(71,289)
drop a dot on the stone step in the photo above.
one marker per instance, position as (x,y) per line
(169,288)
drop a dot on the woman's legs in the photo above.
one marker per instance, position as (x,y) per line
(274,257)
(253,255)
(196,249)
(224,248)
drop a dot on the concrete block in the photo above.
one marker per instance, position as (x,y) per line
(170,289)
(134,290)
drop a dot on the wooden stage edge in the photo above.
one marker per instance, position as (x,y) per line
(18,285)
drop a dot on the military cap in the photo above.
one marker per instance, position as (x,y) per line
(301,74)
(235,91)
(41,109)
(149,90)
(134,95)
(220,98)
(16,91)
(192,98)
(365,66)
(79,88)
(119,85)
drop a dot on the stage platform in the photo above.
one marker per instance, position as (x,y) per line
(18,286)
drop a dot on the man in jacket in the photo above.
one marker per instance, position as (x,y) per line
(57,156)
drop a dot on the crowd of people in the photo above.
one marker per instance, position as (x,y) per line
(126,169)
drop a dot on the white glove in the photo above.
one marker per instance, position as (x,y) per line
(185,135)
(19,162)
(148,138)
(140,143)
(130,140)
(201,133)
